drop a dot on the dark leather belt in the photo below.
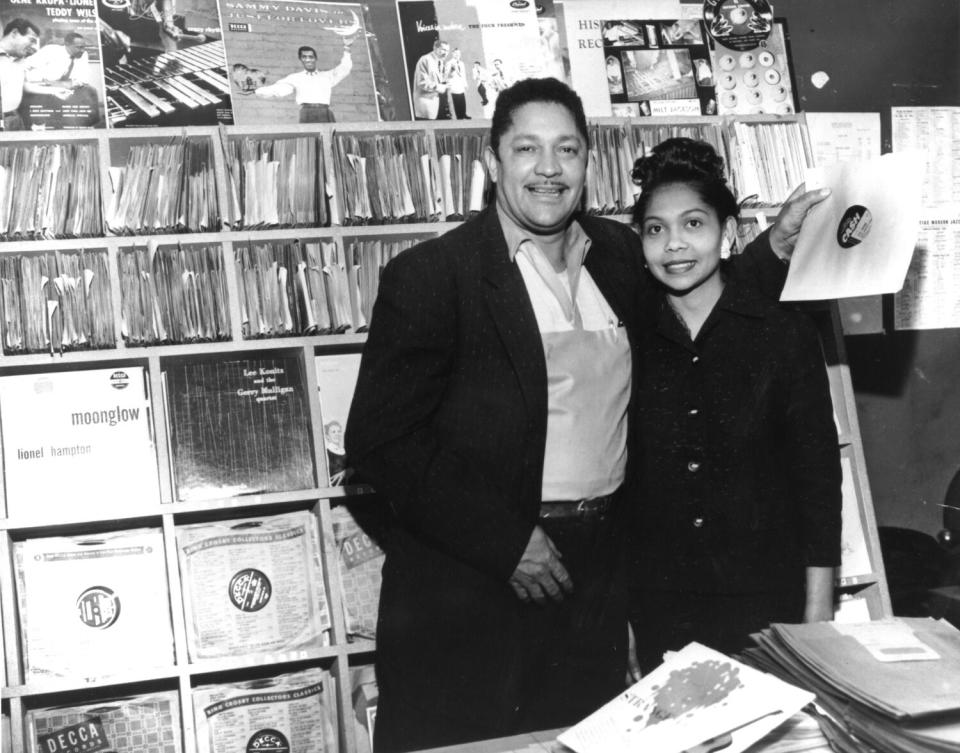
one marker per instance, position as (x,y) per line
(577,508)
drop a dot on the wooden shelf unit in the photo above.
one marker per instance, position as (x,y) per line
(183,675)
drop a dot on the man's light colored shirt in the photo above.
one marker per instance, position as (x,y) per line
(11,82)
(52,63)
(310,88)
(563,302)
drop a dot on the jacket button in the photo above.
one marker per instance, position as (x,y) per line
(693,466)
(693,412)
(698,522)
(695,359)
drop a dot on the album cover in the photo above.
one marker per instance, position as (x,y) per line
(361,563)
(238,426)
(164,63)
(336,380)
(293,712)
(78,442)
(57,82)
(253,586)
(135,724)
(294,62)
(364,694)
(660,67)
(89,604)
(460,56)
(583,22)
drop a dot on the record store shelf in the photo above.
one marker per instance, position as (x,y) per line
(614,193)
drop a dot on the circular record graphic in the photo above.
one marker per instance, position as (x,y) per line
(268,741)
(854,226)
(98,607)
(738,24)
(250,590)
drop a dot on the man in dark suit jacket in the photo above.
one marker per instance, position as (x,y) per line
(491,413)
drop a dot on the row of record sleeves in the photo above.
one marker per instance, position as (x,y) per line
(61,301)
(251,587)
(101,63)
(237,424)
(289,711)
(53,190)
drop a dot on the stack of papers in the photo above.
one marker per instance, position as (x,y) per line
(696,696)
(890,684)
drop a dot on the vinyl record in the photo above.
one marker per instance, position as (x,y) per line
(738,24)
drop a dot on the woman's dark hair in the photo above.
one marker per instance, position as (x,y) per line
(693,163)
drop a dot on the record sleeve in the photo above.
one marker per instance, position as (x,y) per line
(78,442)
(361,563)
(253,586)
(238,426)
(61,83)
(292,712)
(135,724)
(89,604)
(860,239)
(364,695)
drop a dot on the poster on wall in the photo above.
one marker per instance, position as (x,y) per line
(163,63)
(294,62)
(460,55)
(754,80)
(53,80)
(658,67)
(583,22)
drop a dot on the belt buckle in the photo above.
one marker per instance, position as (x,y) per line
(582,508)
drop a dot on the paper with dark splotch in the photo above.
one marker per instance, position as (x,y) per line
(695,695)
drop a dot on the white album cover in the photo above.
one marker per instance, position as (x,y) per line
(859,240)
(78,442)
(89,605)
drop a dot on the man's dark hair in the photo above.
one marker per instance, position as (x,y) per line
(72,37)
(21,26)
(548,90)
(305,48)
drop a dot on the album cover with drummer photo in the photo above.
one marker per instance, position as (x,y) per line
(163,63)
(299,62)
(50,72)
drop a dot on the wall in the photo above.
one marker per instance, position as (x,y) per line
(878,54)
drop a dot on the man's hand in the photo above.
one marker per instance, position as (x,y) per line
(783,234)
(540,575)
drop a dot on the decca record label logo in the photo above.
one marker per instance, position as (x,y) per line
(854,227)
(119,380)
(98,607)
(268,741)
(86,737)
(250,590)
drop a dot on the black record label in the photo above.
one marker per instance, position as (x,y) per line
(854,226)
(738,24)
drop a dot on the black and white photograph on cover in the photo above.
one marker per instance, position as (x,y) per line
(460,54)
(50,73)
(296,62)
(163,63)
(664,68)
(336,380)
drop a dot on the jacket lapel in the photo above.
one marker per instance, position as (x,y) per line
(512,314)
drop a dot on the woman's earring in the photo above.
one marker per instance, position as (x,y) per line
(725,248)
